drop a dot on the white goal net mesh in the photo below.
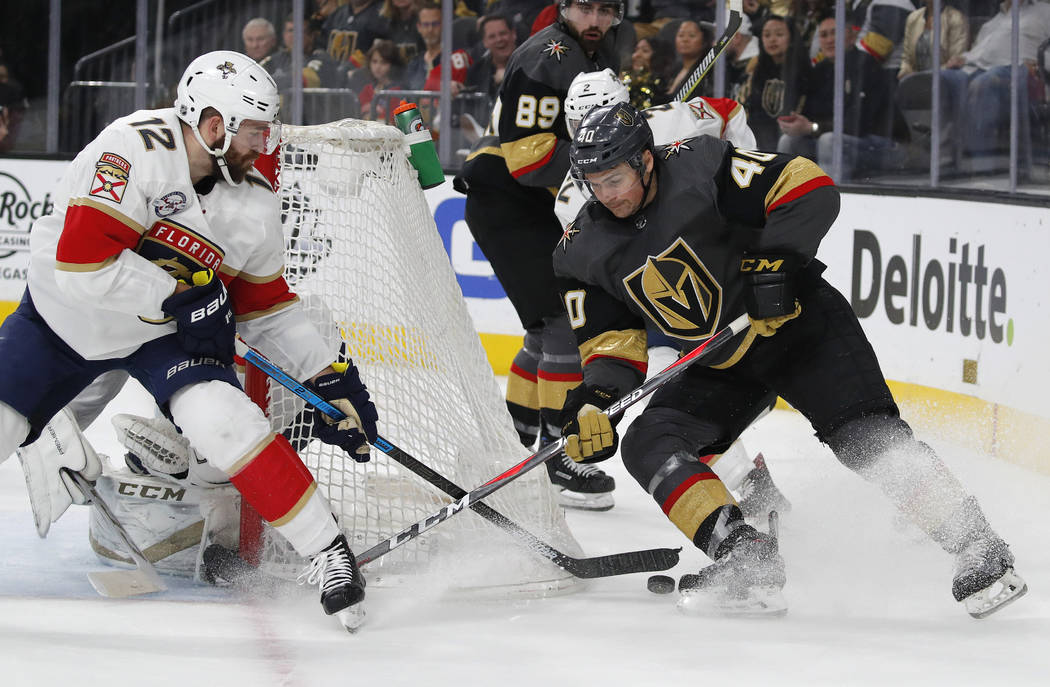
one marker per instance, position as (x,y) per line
(365,256)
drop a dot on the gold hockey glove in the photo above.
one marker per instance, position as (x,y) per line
(768,326)
(589,434)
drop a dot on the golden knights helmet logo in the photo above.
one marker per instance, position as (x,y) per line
(677,292)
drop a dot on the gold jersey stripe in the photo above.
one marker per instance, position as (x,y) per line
(82,267)
(487,150)
(299,505)
(528,151)
(627,344)
(798,172)
(244,317)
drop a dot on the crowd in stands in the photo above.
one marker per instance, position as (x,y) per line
(780,65)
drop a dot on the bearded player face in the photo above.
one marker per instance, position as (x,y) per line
(252,139)
(589,23)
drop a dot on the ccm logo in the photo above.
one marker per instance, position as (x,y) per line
(210,309)
(760,265)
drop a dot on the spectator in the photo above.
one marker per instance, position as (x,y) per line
(775,79)
(350,30)
(691,42)
(756,11)
(522,13)
(423,72)
(917,46)
(401,17)
(882,34)
(382,71)
(259,38)
(740,51)
(13,105)
(499,39)
(319,70)
(866,112)
(652,65)
(982,75)
(807,14)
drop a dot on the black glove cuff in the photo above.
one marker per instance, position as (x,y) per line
(770,285)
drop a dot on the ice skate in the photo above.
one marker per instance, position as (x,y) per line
(985,580)
(758,494)
(580,485)
(335,571)
(745,580)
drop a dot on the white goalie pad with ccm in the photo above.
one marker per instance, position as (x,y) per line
(60,445)
(171,522)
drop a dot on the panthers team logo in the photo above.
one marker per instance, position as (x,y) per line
(555,49)
(111,177)
(677,292)
(226,68)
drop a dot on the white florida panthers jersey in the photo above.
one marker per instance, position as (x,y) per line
(128,222)
(719,117)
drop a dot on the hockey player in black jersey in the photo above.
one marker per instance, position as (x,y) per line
(688,237)
(511,177)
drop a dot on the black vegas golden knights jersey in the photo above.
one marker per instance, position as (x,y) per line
(676,264)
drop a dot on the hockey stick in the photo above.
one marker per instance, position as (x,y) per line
(119,583)
(732,26)
(551,450)
(649,560)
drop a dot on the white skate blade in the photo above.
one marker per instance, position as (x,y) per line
(1002,592)
(119,584)
(351,618)
(761,602)
(581,501)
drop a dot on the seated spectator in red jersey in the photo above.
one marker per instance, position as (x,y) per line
(381,72)
(424,72)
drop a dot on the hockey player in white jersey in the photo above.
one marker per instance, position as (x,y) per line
(161,245)
(674,121)
(678,121)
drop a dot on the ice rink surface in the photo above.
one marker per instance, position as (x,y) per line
(870,604)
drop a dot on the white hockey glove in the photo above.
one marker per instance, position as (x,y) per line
(61,445)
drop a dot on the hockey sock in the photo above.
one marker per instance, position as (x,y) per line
(695,500)
(274,481)
(523,400)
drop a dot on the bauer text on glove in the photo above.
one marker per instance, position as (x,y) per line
(344,389)
(203,317)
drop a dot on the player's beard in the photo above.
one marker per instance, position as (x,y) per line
(589,39)
(237,164)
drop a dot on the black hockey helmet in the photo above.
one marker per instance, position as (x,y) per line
(608,135)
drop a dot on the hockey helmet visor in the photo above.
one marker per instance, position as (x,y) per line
(614,8)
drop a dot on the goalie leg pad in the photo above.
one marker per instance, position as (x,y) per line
(61,445)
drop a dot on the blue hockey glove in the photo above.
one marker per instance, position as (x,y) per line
(204,318)
(345,391)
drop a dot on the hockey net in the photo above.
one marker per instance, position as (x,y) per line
(364,255)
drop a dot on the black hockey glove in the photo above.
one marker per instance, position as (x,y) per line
(345,391)
(770,291)
(589,435)
(204,317)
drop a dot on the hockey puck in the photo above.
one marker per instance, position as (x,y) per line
(660,584)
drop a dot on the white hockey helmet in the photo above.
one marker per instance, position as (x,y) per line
(238,88)
(589,90)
